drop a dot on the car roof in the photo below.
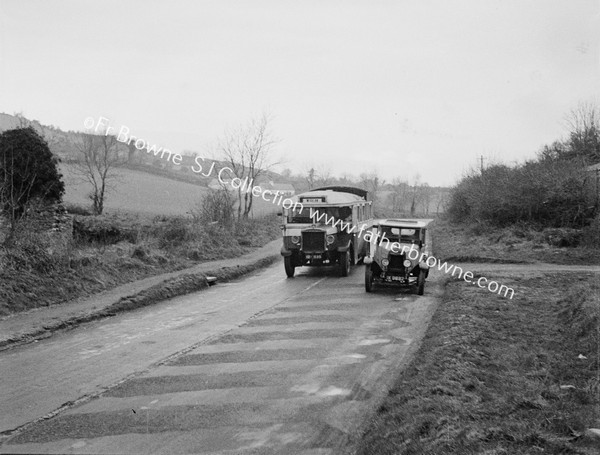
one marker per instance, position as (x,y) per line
(405,222)
(331,196)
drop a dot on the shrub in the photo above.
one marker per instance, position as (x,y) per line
(102,230)
(31,251)
(562,237)
(80,210)
(28,171)
(216,207)
(591,234)
(545,192)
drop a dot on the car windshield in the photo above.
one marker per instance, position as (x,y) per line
(321,215)
(400,234)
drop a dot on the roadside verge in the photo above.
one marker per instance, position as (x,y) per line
(41,323)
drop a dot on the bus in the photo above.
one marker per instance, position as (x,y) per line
(325,227)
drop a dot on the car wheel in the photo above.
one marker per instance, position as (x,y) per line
(289,266)
(368,278)
(344,264)
(421,282)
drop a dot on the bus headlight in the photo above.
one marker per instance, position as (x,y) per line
(330,239)
(295,239)
(385,262)
(407,263)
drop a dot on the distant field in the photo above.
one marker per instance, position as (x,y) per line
(145,194)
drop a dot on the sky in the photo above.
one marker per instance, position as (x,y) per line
(408,89)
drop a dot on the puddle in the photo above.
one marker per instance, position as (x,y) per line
(333,391)
(356,356)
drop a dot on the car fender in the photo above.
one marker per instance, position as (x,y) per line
(285,252)
(344,248)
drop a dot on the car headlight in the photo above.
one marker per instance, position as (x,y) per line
(330,239)
(295,239)
(385,262)
(407,263)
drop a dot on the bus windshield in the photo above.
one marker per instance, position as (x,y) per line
(319,215)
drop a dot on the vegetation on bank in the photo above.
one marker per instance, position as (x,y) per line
(556,189)
(518,243)
(500,376)
(38,269)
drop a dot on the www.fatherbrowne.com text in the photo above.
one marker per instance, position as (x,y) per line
(411,252)
(244,186)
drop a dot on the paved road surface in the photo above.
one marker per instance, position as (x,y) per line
(262,365)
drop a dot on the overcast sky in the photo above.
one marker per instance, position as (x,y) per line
(397,87)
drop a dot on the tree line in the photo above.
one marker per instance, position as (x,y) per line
(555,189)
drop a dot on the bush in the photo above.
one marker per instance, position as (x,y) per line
(175,231)
(80,210)
(216,207)
(31,251)
(562,237)
(591,234)
(546,192)
(28,171)
(102,230)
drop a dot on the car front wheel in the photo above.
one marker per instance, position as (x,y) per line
(421,282)
(368,278)
(344,263)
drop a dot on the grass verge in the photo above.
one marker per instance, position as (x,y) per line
(497,376)
(107,251)
(515,244)
(180,285)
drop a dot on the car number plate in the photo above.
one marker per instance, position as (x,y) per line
(396,278)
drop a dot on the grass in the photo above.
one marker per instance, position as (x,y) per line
(114,249)
(499,376)
(145,194)
(515,244)
(148,228)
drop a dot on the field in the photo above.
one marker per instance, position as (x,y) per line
(145,194)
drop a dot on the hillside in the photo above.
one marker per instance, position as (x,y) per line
(145,194)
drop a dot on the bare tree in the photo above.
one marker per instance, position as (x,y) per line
(398,196)
(583,124)
(414,196)
(311,177)
(97,160)
(247,150)
(441,201)
(216,206)
(372,183)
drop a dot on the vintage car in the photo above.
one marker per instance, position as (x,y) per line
(398,251)
(323,227)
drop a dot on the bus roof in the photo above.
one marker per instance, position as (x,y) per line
(345,189)
(332,195)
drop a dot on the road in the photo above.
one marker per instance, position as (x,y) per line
(265,364)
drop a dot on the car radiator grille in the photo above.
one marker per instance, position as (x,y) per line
(313,241)
(396,261)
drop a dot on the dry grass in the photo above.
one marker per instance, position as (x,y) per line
(515,244)
(115,249)
(498,376)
